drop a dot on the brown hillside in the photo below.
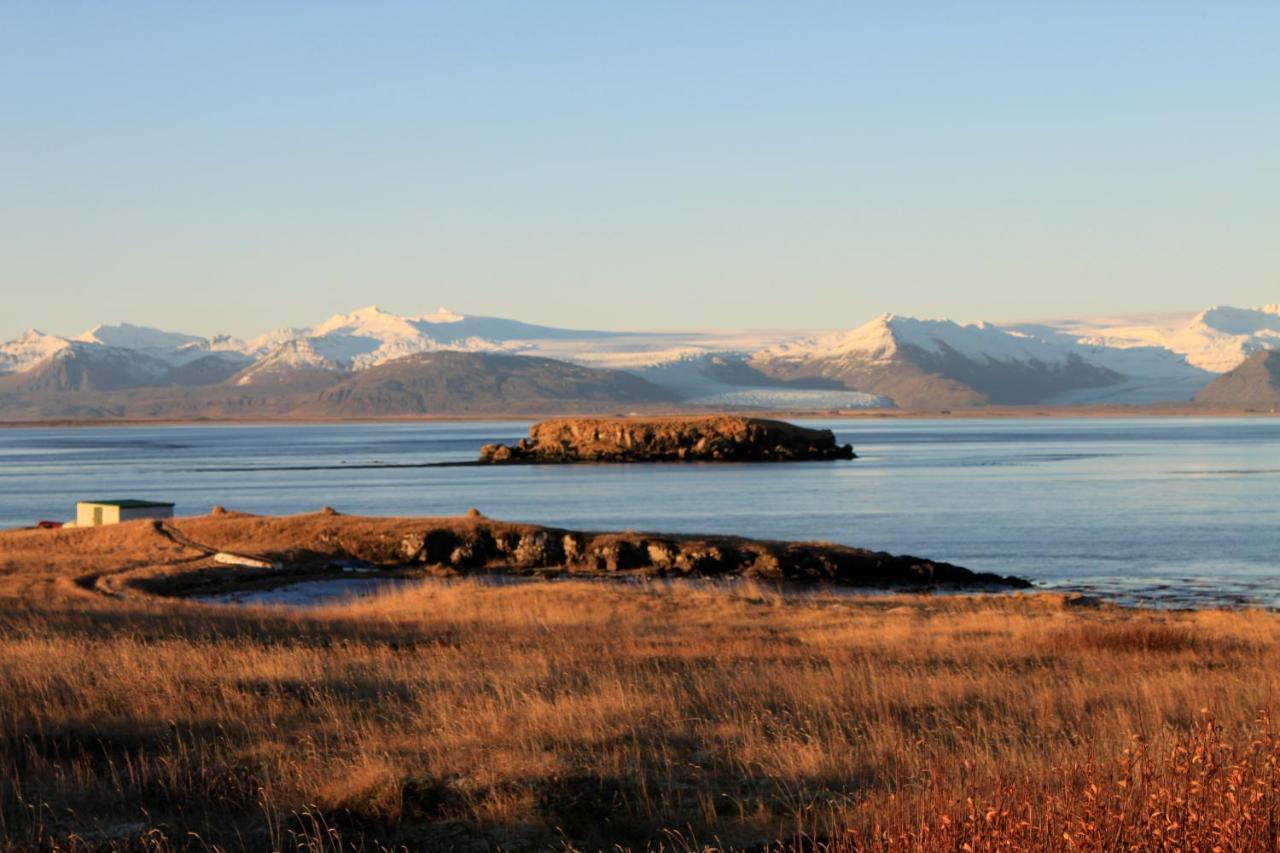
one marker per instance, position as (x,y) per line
(480,382)
(1255,383)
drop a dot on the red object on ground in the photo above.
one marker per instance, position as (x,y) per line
(48,525)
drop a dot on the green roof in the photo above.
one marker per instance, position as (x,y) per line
(128,503)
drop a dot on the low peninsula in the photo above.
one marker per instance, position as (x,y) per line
(184,556)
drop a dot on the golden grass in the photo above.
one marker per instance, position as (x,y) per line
(586,715)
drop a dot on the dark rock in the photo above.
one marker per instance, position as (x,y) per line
(702,560)
(573,547)
(662,554)
(411,545)
(496,453)
(538,549)
(438,547)
(468,555)
(614,554)
(765,565)
(505,542)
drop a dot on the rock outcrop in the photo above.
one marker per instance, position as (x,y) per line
(528,549)
(476,544)
(718,438)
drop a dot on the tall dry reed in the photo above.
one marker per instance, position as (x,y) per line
(581,715)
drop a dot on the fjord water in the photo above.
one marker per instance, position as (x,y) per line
(1167,511)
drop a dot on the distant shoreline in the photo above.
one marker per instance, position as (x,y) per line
(1156,410)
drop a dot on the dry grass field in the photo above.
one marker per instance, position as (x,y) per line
(589,715)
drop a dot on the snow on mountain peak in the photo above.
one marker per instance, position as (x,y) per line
(1220,338)
(290,356)
(442,315)
(129,336)
(1158,352)
(370,320)
(1239,321)
(874,339)
(976,341)
(29,350)
(1216,339)
(881,339)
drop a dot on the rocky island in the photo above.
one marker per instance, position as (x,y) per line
(713,438)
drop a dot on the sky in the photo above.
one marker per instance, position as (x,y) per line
(241,166)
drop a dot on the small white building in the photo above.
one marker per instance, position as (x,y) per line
(98,513)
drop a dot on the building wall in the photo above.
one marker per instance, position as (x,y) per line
(146,512)
(85,516)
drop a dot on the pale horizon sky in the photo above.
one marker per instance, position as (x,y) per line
(844,322)
(238,167)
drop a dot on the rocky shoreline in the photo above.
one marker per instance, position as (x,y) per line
(180,556)
(482,546)
(715,438)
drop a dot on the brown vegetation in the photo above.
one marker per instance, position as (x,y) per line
(583,715)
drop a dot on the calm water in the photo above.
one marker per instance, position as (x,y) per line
(1168,511)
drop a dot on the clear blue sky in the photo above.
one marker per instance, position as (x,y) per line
(237,166)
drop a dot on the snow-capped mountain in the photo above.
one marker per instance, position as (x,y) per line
(887,335)
(195,360)
(370,337)
(129,336)
(891,360)
(287,362)
(29,350)
(920,363)
(80,366)
(115,358)
(1217,339)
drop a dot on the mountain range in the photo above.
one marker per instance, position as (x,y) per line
(373,363)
